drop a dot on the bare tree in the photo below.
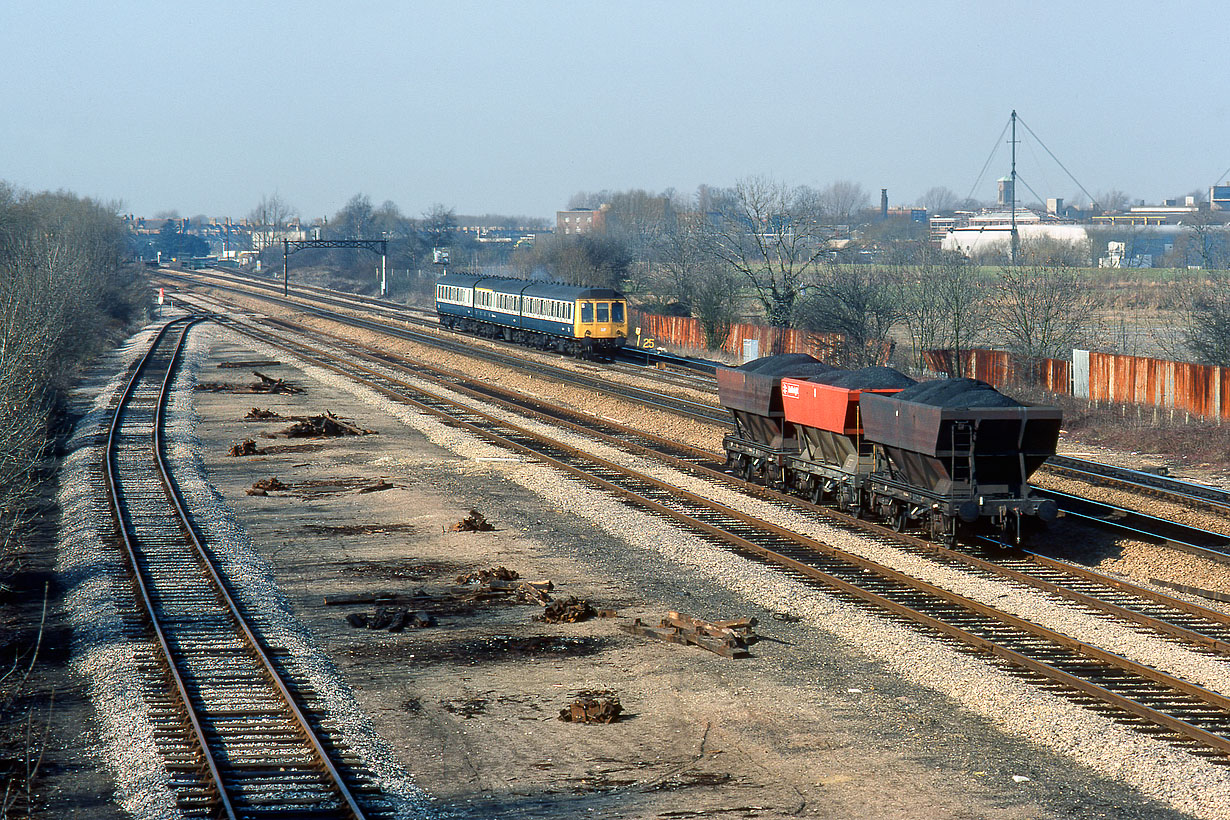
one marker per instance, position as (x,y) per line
(1043,310)
(1203,307)
(772,235)
(862,303)
(842,201)
(714,301)
(271,212)
(938,199)
(946,305)
(1112,200)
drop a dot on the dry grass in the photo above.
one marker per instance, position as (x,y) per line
(1131,428)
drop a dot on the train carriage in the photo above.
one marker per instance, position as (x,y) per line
(576,320)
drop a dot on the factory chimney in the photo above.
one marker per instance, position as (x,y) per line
(883,203)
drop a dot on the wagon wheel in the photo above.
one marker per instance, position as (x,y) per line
(817,492)
(942,529)
(898,518)
(749,469)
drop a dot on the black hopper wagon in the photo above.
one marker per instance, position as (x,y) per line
(957,454)
(950,456)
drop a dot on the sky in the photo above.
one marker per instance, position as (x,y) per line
(513,107)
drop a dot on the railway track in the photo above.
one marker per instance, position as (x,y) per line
(1214,499)
(1195,541)
(241,733)
(1133,523)
(1153,699)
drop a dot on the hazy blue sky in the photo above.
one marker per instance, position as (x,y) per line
(512,107)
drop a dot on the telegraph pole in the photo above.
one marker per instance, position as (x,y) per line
(1015,239)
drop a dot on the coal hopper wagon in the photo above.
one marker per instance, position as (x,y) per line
(957,454)
(946,456)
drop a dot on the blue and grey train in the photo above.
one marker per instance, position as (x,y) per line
(575,320)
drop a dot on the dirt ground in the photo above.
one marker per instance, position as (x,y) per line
(806,726)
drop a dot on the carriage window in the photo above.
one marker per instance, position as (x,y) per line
(604,311)
(587,311)
(617,311)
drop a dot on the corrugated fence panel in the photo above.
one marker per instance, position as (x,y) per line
(999,367)
(1203,390)
(686,332)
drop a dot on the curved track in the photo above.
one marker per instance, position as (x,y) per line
(237,728)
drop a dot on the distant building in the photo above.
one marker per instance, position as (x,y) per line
(1006,192)
(1219,197)
(581,220)
(918,215)
(1148,215)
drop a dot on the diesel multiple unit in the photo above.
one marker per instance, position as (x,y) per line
(575,320)
(945,456)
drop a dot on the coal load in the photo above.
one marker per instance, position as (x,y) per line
(753,395)
(792,365)
(957,394)
(866,378)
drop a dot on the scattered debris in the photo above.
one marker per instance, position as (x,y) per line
(393,619)
(414,596)
(592,707)
(253,363)
(324,425)
(379,486)
(787,617)
(568,610)
(1020,778)
(245,448)
(268,384)
(484,576)
(258,414)
(726,638)
(474,522)
(501,582)
(266,485)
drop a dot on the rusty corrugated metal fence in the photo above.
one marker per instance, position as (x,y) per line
(1193,388)
(1116,378)
(1000,368)
(1198,389)
(686,334)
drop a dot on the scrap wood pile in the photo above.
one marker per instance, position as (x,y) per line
(266,485)
(325,424)
(268,384)
(592,707)
(247,447)
(501,582)
(474,522)
(570,610)
(257,414)
(729,639)
(392,618)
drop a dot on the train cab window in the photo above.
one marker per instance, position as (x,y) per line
(604,311)
(587,312)
(617,311)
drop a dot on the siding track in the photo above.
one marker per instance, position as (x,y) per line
(239,731)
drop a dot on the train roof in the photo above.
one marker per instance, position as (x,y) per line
(548,290)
